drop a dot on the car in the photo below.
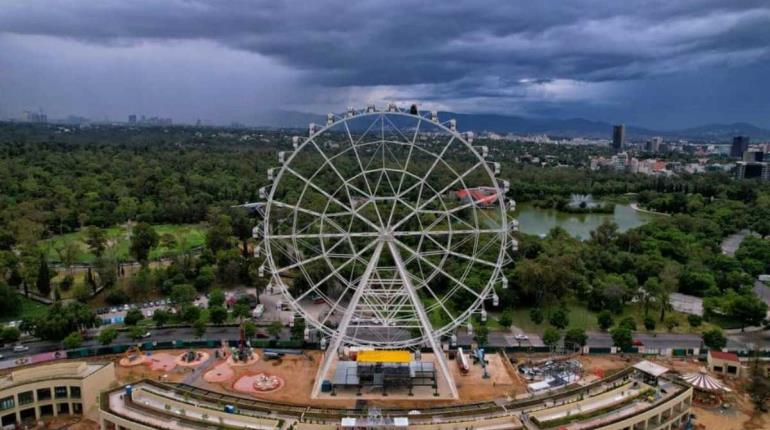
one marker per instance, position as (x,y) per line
(1,356)
(126,307)
(20,348)
(146,335)
(113,310)
(521,337)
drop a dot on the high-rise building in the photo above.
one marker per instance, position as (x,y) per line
(740,145)
(654,144)
(618,138)
(752,155)
(132,119)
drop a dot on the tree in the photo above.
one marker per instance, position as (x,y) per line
(536,315)
(671,322)
(96,240)
(694,320)
(748,309)
(73,340)
(759,387)
(182,295)
(9,335)
(649,323)
(143,239)
(219,233)
(576,337)
(628,322)
(9,300)
(133,316)
(136,331)
(274,329)
(482,334)
(298,329)
(714,339)
(650,290)
(216,298)
(161,317)
(551,337)
(190,313)
(200,327)
(559,319)
(249,329)
(506,319)
(68,254)
(604,319)
(43,282)
(217,314)
(622,338)
(241,311)
(205,278)
(108,335)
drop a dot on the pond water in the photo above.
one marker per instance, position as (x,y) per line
(537,221)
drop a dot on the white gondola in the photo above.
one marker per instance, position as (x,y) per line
(323,343)
(295,142)
(257,251)
(470,329)
(256,232)
(512,205)
(483,151)
(469,137)
(496,168)
(371,108)
(483,315)
(514,225)
(453,340)
(307,334)
(329,118)
(351,112)
(434,116)
(495,300)
(514,245)
(505,186)
(453,124)
(271,174)
(504,282)
(264,192)
(282,157)
(392,107)
(261,271)
(311,129)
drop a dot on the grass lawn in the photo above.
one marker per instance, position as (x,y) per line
(28,309)
(174,239)
(582,317)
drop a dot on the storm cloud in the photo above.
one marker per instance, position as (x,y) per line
(564,58)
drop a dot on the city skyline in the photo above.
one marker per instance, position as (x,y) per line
(647,63)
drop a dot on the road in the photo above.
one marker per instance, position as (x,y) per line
(733,241)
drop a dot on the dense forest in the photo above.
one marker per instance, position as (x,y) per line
(56,180)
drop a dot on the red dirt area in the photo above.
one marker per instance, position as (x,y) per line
(162,362)
(221,373)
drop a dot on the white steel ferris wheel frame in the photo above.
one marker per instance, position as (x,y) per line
(385,238)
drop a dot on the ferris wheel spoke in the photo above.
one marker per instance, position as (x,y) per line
(425,177)
(336,270)
(437,268)
(361,166)
(350,210)
(346,182)
(405,169)
(361,234)
(424,204)
(461,255)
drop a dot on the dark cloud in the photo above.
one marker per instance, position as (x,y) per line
(570,51)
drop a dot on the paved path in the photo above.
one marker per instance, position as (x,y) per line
(733,241)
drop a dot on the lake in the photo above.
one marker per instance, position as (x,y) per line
(537,221)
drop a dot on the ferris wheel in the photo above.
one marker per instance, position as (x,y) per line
(386,229)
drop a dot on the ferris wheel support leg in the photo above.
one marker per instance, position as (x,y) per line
(424,321)
(336,342)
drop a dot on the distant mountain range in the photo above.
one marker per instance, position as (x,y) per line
(551,126)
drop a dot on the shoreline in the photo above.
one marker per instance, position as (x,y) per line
(635,206)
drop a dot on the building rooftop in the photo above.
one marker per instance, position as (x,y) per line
(650,368)
(69,369)
(727,356)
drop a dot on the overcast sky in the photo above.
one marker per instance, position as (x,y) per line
(661,64)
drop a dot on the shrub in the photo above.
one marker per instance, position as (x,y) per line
(605,320)
(695,320)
